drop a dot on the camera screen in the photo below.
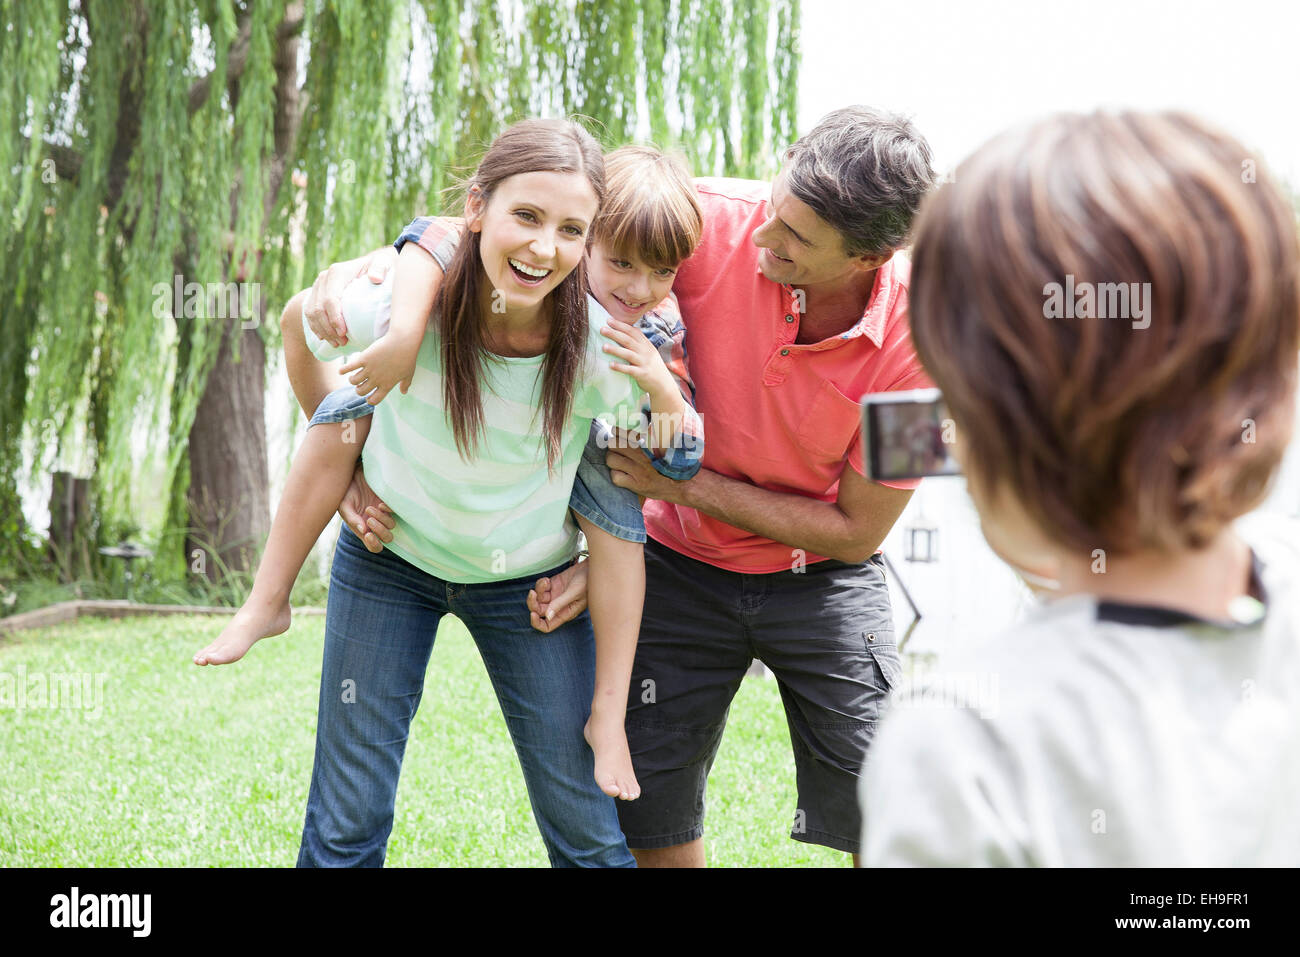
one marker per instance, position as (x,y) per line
(907,435)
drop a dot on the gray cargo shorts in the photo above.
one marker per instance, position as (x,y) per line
(827,633)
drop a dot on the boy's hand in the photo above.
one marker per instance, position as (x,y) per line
(389,361)
(638,357)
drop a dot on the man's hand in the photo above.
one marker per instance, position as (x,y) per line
(364,513)
(389,361)
(557,600)
(322,309)
(630,468)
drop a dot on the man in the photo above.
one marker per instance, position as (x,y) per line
(795,304)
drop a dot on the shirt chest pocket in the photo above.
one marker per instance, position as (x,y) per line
(829,425)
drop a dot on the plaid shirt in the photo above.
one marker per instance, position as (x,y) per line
(662,325)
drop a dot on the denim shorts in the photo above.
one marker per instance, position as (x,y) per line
(595,496)
(341,405)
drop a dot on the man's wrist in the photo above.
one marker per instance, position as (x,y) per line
(692,492)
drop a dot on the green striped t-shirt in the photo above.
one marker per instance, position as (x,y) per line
(500,515)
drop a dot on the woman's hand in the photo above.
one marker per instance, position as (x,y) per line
(322,306)
(558,600)
(364,513)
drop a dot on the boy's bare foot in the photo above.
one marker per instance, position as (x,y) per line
(614,771)
(250,624)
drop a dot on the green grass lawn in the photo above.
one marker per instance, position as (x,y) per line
(174,765)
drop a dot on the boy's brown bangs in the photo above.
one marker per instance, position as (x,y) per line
(649,231)
(650,210)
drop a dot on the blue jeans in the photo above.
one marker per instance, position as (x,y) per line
(380,624)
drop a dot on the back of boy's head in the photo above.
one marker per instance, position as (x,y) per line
(1109,432)
(650,208)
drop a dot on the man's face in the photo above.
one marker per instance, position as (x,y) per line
(801,248)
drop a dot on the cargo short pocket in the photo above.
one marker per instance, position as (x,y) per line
(885,654)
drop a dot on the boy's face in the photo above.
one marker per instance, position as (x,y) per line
(1012,534)
(627,287)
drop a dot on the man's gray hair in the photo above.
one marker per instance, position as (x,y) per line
(864,171)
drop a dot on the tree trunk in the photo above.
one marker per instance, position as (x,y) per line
(229,499)
(71,532)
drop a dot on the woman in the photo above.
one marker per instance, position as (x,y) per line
(477,460)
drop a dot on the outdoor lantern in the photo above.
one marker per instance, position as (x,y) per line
(922,541)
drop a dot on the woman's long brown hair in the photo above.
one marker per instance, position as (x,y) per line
(529,146)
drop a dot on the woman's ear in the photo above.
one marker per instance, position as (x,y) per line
(474,208)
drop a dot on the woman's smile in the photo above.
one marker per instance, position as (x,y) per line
(528,275)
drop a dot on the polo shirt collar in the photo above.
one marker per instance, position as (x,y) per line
(883,293)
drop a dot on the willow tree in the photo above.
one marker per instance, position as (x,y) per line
(178,168)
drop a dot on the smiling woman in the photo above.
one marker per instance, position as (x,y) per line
(479,517)
(531,245)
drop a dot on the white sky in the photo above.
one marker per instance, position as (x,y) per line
(967,69)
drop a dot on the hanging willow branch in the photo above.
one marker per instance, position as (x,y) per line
(153,143)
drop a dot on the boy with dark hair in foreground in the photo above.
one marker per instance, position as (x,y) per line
(1149,712)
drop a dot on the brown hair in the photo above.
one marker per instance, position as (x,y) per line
(528,146)
(1107,432)
(650,210)
(864,171)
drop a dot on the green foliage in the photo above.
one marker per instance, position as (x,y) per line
(175,157)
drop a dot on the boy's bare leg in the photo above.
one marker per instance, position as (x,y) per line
(311,379)
(615,595)
(321,472)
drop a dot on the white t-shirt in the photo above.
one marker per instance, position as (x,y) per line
(1100,734)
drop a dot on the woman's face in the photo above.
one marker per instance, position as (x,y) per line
(534,232)
(626,286)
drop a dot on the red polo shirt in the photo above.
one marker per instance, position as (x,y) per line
(779,415)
